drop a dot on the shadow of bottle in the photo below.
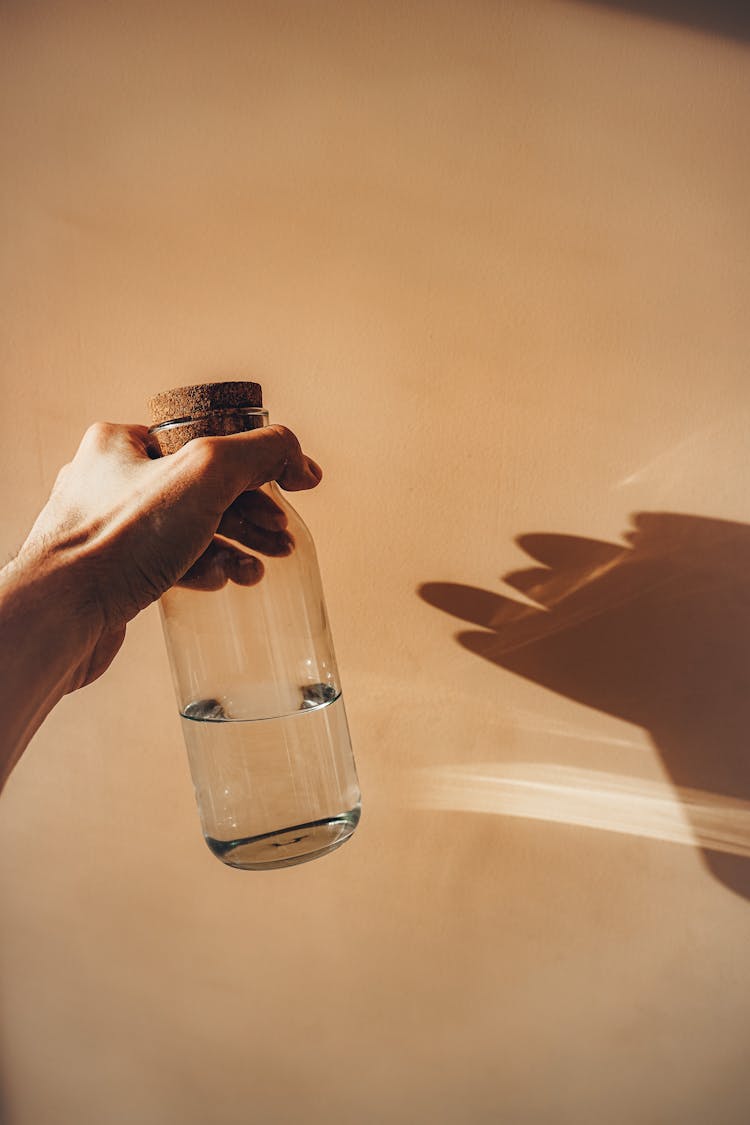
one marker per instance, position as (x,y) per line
(656,633)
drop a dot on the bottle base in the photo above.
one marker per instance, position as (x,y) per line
(287,846)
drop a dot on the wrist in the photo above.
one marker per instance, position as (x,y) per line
(54,596)
(47,628)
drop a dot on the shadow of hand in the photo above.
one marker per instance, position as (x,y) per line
(655,633)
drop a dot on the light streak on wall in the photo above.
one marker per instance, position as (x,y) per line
(592,799)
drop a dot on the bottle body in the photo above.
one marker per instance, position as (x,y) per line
(262,711)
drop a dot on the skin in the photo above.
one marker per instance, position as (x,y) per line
(122,526)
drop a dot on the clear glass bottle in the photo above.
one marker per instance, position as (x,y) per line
(256,680)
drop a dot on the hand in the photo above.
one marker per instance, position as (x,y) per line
(125,525)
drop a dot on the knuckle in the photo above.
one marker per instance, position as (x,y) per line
(281,432)
(100,434)
(287,439)
(200,452)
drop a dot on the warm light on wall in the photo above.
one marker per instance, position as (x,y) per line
(592,799)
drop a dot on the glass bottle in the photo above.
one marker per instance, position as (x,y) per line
(256,680)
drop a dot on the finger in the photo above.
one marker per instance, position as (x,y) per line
(109,437)
(535,655)
(273,543)
(480,607)
(553,590)
(540,584)
(569,552)
(219,563)
(260,509)
(238,463)
(242,569)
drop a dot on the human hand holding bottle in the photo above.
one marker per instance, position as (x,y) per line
(119,529)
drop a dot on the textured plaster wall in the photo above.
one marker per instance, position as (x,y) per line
(490,261)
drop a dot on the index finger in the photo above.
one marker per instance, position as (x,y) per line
(237,463)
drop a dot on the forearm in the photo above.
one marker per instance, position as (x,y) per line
(44,641)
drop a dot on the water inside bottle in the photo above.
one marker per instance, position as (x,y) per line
(273,792)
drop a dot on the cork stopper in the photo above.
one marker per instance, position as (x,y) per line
(203,410)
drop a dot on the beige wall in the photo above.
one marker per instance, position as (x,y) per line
(490,260)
